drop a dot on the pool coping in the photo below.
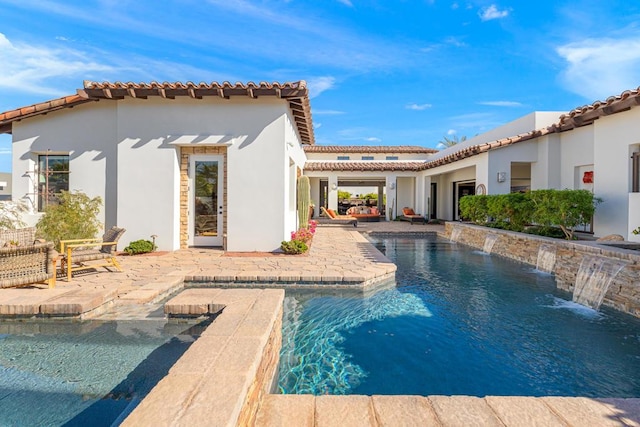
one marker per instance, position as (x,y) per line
(226,376)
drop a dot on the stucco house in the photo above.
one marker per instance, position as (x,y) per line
(594,147)
(216,164)
(209,164)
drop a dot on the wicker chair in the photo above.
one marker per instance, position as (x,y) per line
(24,261)
(75,253)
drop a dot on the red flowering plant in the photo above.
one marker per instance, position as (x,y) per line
(303,235)
(300,240)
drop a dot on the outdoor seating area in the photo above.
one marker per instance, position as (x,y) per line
(25,261)
(76,253)
(364,213)
(408,214)
(329,216)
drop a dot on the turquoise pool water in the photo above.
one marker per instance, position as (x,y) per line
(459,322)
(83,374)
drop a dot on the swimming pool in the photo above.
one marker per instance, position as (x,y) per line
(93,373)
(459,322)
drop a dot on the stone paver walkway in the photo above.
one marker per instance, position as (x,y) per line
(339,256)
(446,411)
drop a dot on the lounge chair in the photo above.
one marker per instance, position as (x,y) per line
(409,215)
(333,218)
(78,251)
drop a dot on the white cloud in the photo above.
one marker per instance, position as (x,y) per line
(372,139)
(317,125)
(501,103)
(346,2)
(417,107)
(451,132)
(317,85)
(599,68)
(492,12)
(28,68)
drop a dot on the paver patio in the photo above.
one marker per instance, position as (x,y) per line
(340,256)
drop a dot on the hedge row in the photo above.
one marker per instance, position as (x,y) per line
(565,209)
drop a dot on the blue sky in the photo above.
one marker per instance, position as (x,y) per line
(406,72)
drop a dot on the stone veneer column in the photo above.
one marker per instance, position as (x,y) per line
(185,153)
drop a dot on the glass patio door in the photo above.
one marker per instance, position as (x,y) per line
(206,200)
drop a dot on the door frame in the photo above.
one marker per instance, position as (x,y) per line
(216,240)
(469,185)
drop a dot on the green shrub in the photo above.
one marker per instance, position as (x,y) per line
(566,209)
(294,247)
(474,208)
(140,247)
(541,230)
(11,214)
(75,217)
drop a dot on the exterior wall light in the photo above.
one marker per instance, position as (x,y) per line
(334,186)
(392,186)
(502,176)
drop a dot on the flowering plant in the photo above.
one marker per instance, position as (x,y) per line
(300,240)
(303,235)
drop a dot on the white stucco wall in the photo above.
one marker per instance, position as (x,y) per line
(87,134)
(500,160)
(546,171)
(577,149)
(614,137)
(123,152)
(406,194)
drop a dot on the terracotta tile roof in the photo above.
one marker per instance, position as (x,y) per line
(10,116)
(585,115)
(364,166)
(581,116)
(403,149)
(483,148)
(296,93)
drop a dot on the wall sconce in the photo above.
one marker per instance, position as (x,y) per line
(334,186)
(392,186)
(502,176)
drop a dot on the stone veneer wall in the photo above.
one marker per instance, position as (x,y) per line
(265,379)
(624,292)
(185,153)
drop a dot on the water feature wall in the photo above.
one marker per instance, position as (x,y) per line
(546,260)
(455,234)
(623,291)
(594,278)
(489,241)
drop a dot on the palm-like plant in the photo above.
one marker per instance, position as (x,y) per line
(450,142)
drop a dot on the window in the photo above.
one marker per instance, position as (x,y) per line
(53,178)
(343,157)
(635,182)
(367,157)
(392,157)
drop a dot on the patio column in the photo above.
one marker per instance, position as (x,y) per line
(333,193)
(381,198)
(392,210)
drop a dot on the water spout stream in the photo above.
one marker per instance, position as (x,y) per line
(593,280)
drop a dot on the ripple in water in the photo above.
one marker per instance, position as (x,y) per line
(312,360)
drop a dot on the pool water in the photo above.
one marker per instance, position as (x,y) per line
(458,322)
(83,373)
